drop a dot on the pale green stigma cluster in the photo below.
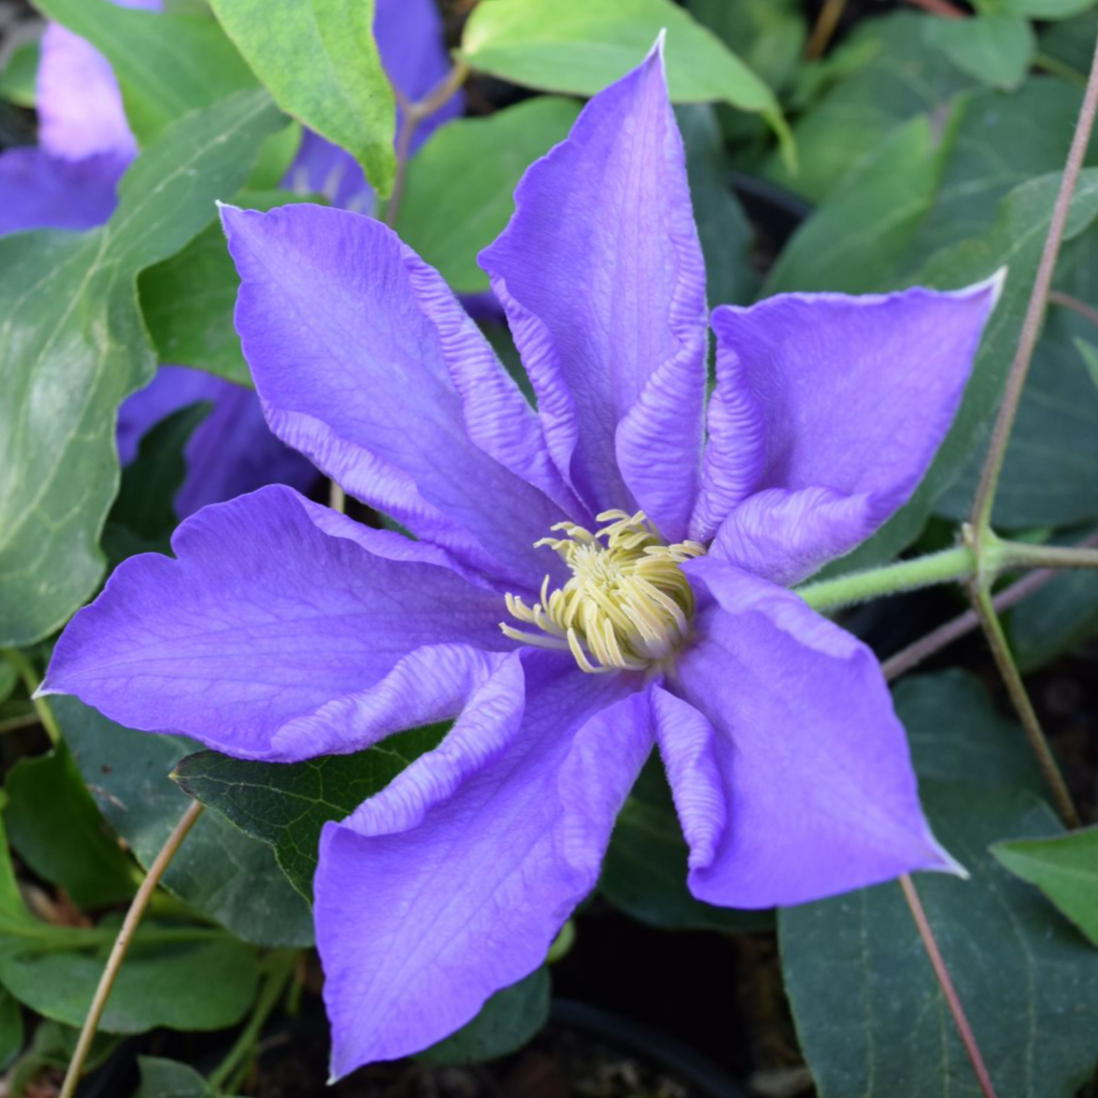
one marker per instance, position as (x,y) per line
(628,604)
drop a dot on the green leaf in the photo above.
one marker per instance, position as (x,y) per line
(458,187)
(1071,42)
(768,35)
(11,1029)
(219,870)
(725,233)
(52,1046)
(857,239)
(996,49)
(9,679)
(166,64)
(509,1019)
(1065,869)
(1014,241)
(73,345)
(201,984)
(287,805)
(168,1079)
(577,47)
(870,1016)
(19,78)
(320,62)
(645,869)
(880,76)
(1050,475)
(188,300)
(56,828)
(958,733)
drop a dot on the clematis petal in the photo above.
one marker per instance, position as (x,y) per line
(786,536)
(812,762)
(856,394)
(41,191)
(341,324)
(273,607)
(453,882)
(602,277)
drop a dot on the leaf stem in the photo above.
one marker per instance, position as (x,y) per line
(30,679)
(830,14)
(122,945)
(281,965)
(945,982)
(1004,424)
(414,114)
(1056,297)
(1012,678)
(1055,67)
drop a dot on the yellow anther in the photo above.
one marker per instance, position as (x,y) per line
(628,603)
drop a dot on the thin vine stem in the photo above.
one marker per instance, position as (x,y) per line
(42,709)
(121,947)
(823,31)
(944,8)
(1012,679)
(945,982)
(1008,409)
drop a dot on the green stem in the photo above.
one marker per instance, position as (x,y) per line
(905,575)
(1012,678)
(55,939)
(1015,554)
(30,679)
(1058,68)
(281,966)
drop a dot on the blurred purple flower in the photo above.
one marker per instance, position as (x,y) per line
(284,631)
(69,180)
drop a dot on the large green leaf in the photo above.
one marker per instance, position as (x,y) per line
(167,64)
(578,47)
(58,831)
(188,300)
(218,870)
(870,1016)
(645,869)
(11,1029)
(72,346)
(1065,869)
(957,732)
(505,1023)
(287,805)
(881,75)
(320,62)
(458,187)
(996,49)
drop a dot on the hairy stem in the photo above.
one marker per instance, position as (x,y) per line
(30,680)
(281,965)
(1004,424)
(1008,669)
(122,945)
(905,575)
(945,982)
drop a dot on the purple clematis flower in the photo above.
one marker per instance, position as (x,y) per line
(640,564)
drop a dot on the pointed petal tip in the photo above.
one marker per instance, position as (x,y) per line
(944,862)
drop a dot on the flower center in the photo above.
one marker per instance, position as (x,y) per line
(628,603)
